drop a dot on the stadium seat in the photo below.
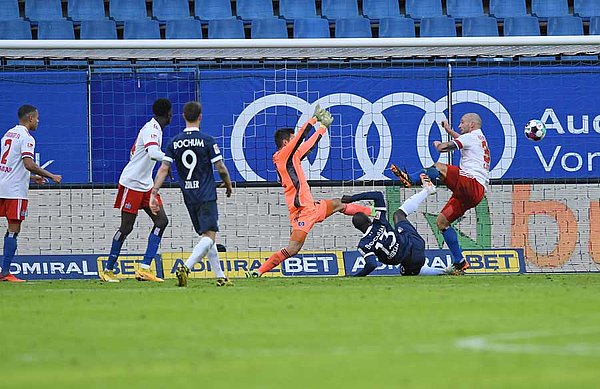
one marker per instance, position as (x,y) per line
(55,29)
(311,28)
(254,9)
(43,10)
(464,8)
(396,28)
(141,29)
(86,10)
(171,9)
(439,26)
(377,9)
(122,10)
(353,28)
(586,8)
(565,25)
(418,9)
(521,26)
(548,8)
(595,25)
(480,26)
(226,29)
(339,9)
(98,29)
(9,9)
(212,9)
(297,9)
(507,8)
(184,29)
(15,29)
(271,28)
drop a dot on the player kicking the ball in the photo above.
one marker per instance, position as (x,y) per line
(134,193)
(16,163)
(194,154)
(304,211)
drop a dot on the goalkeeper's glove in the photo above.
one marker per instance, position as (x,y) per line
(325,119)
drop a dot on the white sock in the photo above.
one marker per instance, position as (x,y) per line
(213,258)
(431,271)
(412,203)
(199,251)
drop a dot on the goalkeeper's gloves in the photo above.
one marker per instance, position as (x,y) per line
(323,116)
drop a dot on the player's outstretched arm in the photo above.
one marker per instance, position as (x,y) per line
(35,169)
(376,196)
(224,174)
(446,126)
(370,264)
(162,173)
(444,147)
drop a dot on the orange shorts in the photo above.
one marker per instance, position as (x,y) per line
(305,218)
(14,210)
(130,201)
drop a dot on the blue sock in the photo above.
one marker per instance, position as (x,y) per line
(451,239)
(10,247)
(115,249)
(153,243)
(431,171)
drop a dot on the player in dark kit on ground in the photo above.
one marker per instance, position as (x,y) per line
(194,154)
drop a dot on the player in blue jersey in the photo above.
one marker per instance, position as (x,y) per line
(400,244)
(194,155)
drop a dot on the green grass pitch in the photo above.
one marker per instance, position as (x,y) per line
(517,331)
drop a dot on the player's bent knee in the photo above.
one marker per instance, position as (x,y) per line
(442,222)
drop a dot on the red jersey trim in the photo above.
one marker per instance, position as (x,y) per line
(151,144)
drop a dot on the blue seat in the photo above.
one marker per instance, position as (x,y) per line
(9,9)
(98,29)
(122,10)
(86,10)
(55,29)
(339,9)
(595,25)
(521,26)
(586,8)
(297,9)
(254,9)
(480,26)
(507,8)
(377,9)
(311,28)
(565,25)
(396,28)
(212,9)
(43,10)
(438,26)
(353,28)
(141,29)
(15,29)
(464,8)
(226,29)
(548,8)
(171,9)
(271,28)
(184,29)
(418,9)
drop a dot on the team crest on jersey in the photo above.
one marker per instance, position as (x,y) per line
(216,148)
(300,224)
(23,213)
(154,136)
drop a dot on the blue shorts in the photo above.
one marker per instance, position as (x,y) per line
(414,259)
(205,216)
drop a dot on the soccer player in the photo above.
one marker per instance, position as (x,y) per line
(400,244)
(468,183)
(134,193)
(304,211)
(194,154)
(16,165)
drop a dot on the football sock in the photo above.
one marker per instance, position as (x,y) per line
(152,248)
(411,204)
(431,171)
(115,249)
(274,260)
(353,209)
(199,251)
(431,271)
(452,241)
(213,258)
(10,247)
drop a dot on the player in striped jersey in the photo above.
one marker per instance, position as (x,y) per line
(17,150)
(134,193)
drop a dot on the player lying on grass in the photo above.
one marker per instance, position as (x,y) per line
(304,211)
(468,182)
(400,244)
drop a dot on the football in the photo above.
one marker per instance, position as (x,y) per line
(535,130)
